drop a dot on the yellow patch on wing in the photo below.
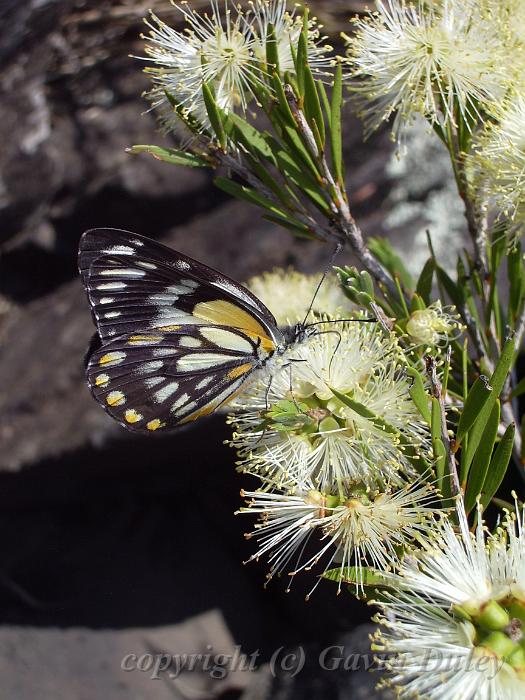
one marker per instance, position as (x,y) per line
(131,416)
(112,358)
(115,398)
(155,424)
(239,371)
(224,313)
(168,328)
(140,339)
(102,380)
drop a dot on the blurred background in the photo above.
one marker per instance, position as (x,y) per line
(112,544)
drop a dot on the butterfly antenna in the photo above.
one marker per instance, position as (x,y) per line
(334,255)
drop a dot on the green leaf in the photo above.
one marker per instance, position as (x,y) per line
(361,575)
(390,260)
(253,140)
(516,279)
(248,195)
(214,115)
(296,227)
(312,107)
(498,465)
(424,283)
(454,291)
(478,395)
(519,389)
(325,102)
(365,412)
(283,110)
(497,382)
(336,140)
(302,180)
(272,51)
(301,61)
(171,155)
(480,463)
(419,395)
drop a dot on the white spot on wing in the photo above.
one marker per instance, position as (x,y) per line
(180,402)
(113,314)
(164,352)
(198,361)
(192,284)
(106,300)
(187,341)
(183,265)
(227,340)
(204,382)
(123,272)
(153,381)
(163,394)
(150,366)
(147,265)
(119,250)
(112,285)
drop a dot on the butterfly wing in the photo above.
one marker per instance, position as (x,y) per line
(151,381)
(135,284)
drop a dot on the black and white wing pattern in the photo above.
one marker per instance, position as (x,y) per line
(149,381)
(178,339)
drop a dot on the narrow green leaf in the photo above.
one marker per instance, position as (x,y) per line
(312,107)
(497,382)
(424,283)
(454,291)
(419,395)
(214,115)
(498,466)
(171,155)
(272,51)
(325,102)
(301,62)
(480,463)
(479,393)
(297,150)
(253,140)
(336,140)
(519,389)
(362,410)
(296,227)
(302,180)
(248,195)
(387,256)
(361,575)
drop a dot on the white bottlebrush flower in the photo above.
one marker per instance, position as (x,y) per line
(288,294)
(289,424)
(287,28)
(357,527)
(498,161)
(432,326)
(215,48)
(427,58)
(453,618)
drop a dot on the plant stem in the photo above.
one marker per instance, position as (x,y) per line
(339,202)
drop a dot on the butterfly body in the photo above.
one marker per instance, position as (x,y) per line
(177,338)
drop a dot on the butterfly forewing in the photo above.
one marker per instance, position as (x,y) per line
(178,338)
(149,381)
(134,284)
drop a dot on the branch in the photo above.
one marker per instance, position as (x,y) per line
(338,201)
(437,393)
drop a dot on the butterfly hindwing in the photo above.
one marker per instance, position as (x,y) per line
(151,381)
(135,284)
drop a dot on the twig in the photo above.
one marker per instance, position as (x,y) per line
(338,202)
(437,392)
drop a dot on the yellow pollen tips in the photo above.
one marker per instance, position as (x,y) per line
(139,339)
(239,371)
(102,380)
(132,416)
(115,398)
(154,424)
(112,358)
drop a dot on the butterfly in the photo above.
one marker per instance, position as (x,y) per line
(176,339)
